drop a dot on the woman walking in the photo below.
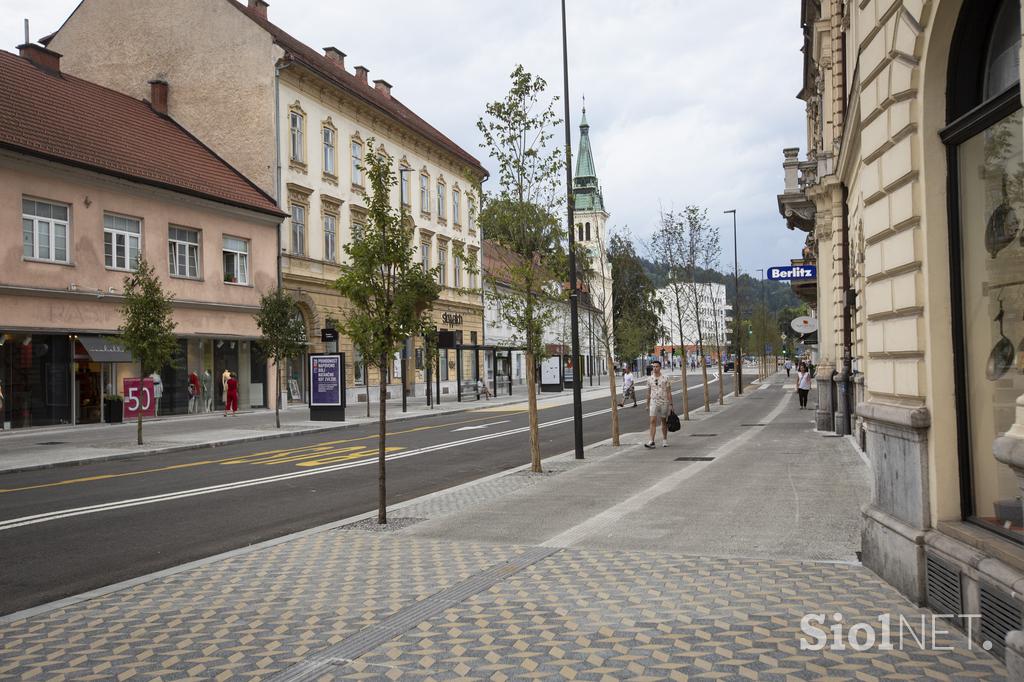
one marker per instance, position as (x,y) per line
(803,384)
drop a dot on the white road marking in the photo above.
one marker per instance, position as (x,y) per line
(481,426)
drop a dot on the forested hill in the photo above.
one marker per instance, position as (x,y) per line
(778,295)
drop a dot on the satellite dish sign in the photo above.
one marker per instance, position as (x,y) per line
(804,324)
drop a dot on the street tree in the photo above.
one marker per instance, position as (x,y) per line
(669,250)
(282,335)
(147,327)
(597,270)
(637,312)
(702,250)
(388,294)
(521,216)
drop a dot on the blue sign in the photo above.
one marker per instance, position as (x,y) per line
(325,380)
(793,272)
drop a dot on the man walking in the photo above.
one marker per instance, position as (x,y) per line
(659,404)
(628,389)
(788,366)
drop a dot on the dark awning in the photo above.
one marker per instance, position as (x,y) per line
(104,350)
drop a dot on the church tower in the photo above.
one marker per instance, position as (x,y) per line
(591,218)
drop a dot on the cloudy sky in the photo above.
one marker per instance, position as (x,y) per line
(689,101)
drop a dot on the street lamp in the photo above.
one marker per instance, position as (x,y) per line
(574,311)
(736,278)
(764,330)
(402,189)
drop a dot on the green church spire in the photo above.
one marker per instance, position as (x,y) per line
(585,186)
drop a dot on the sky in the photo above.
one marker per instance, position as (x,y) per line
(688,101)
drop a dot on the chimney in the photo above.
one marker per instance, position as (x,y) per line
(40,56)
(361,72)
(158,95)
(335,55)
(382,87)
(259,7)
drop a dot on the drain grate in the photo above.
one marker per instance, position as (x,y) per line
(694,459)
(753,425)
(53,442)
(703,435)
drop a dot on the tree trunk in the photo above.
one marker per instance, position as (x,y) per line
(366,378)
(615,400)
(277,398)
(721,378)
(704,371)
(531,392)
(382,499)
(138,426)
(686,375)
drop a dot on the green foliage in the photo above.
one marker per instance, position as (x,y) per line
(522,215)
(388,292)
(282,331)
(637,312)
(147,329)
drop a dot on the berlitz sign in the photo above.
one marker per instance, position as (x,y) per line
(451,319)
(793,272)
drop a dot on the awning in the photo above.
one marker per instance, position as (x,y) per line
(104,350)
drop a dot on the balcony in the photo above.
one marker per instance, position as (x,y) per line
(794,204)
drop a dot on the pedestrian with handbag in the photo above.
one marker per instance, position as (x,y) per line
(659,404)
(803,384)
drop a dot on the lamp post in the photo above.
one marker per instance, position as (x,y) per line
(738,365)
(764,331)
(405,346)
(574,312)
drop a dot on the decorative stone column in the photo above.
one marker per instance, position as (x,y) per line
(899,515)
(823,415)
(844,403)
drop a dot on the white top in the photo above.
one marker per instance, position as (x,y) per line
(627,380)
(803,380)
(660,389)
(158,385)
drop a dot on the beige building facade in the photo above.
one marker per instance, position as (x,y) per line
(911,194)
(299,122)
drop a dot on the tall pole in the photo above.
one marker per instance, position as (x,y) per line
(574,312)
(738,365)
(764,332)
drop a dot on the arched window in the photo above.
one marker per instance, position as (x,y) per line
(984,136)
(588,232)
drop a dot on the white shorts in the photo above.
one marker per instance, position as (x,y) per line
(659,410)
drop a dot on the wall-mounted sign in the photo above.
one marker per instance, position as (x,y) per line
(451,319)
(327,335)
(325,377)
(793,272)
(804,325)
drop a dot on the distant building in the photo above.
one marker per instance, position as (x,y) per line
(715,319)
(92,180)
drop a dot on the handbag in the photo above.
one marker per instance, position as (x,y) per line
(673,422)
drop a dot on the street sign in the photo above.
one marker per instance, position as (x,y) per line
(327,335)
(139,398)
(793,272)
(804,324)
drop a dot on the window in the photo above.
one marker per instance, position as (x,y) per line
(183,252)
(297,124)
(44,230)
(236,260)
(457,271)
(425,255)
(442,264)
(456,206)
(404,186)
(358,368)
(298,229)
(579,229)
(121,237)
(471,214)
(330,237)
(985,143)
(425,193)
(441,204)
(329,151)
(357,160)
(588,232)
(471,263)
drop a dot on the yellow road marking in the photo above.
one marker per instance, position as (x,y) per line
(362,453)
(243,459)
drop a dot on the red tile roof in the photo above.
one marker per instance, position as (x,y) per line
(70,120)
(335,73)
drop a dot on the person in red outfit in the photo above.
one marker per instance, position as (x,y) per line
(231,402)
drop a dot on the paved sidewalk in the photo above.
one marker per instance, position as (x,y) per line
(47,447)
(631,564)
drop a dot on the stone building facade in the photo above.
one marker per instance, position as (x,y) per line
(298,122)
(911,193)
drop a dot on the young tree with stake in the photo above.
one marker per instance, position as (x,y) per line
(282,335)
(522,217)
(147,328)
(388,293)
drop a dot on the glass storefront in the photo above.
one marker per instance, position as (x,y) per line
(35,378)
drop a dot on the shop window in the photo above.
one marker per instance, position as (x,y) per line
(986,164)
(44,230)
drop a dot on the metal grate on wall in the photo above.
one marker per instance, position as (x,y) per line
(944,593)
(1000,613)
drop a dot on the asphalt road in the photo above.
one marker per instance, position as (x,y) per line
(69,530)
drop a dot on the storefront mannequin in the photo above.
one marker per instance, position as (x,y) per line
(224,385)
(194,392)
(207,380)
(158,390)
